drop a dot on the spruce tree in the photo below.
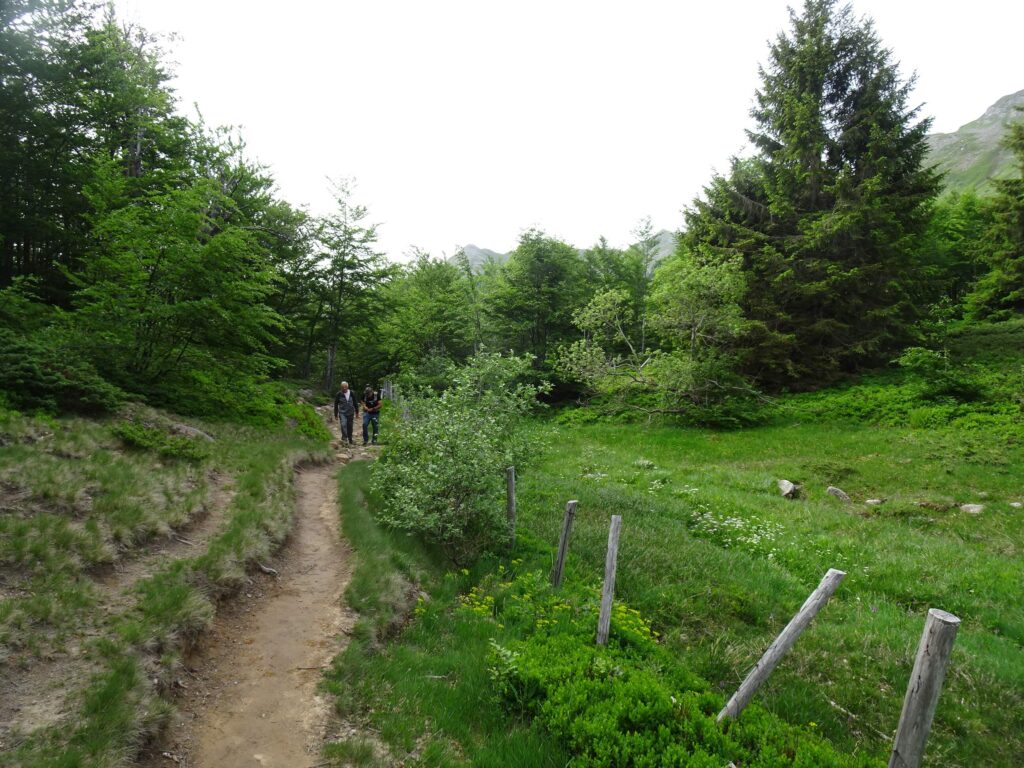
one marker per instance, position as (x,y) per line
(827,213)
(999,295)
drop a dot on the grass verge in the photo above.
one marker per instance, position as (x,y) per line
(422,699)
(135,657)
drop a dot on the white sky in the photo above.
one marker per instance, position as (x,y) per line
(468,122)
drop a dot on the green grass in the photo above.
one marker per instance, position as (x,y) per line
(720,562)
(426,693)
(133,654)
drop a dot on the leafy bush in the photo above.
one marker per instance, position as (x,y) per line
(39,372)
(307,421)
(159,441)
(442,473)
(627,704)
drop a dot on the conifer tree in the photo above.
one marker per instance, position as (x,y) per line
(826,215)
(999,295)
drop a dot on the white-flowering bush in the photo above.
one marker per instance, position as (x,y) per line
(442,473)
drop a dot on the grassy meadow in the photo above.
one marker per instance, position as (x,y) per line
(717,562)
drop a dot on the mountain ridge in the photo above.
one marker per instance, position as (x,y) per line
(973,155)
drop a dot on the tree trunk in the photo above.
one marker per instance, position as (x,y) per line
(332,351)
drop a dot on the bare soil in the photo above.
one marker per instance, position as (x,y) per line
(250,697)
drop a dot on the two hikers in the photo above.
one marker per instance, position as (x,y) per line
(346,408)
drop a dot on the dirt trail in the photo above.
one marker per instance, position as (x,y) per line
(252,700)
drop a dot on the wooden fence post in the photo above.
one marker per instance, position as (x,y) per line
(563,544)
(510,498)
(923,689)
(608,592)
(782,644)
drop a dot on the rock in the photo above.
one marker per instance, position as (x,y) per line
(874,502)
(972,509)
(306,394)
(187,431)
(839,493)
(1016,504)
(789,490)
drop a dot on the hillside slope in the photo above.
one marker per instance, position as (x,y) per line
(972,155)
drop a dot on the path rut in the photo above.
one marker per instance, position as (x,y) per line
(252,700)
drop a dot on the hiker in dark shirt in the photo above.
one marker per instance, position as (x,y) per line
(345,410)
(371,413)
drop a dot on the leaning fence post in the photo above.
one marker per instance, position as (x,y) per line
(563,544)
(608,592)
(510,497)
(782,644)
(923,689)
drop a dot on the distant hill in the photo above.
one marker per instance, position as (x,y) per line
(972,156)
(477,256)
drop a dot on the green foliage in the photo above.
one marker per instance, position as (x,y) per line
(442,472)
(999,294)
(626,704)
(307,421)
(538,290)
(44,372)
(429,315)
(174,285)
(427,690)
(827,216)
(693,307)
(955,246)
(161,442)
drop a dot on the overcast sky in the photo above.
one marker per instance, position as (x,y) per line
(468,122)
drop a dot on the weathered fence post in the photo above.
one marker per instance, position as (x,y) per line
(510,497)
(782,644)
(923,689)
(563,544)
(608,592)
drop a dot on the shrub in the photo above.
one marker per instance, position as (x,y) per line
(629,703)
(442,474)
(307,421)
(159,441)
(40,372)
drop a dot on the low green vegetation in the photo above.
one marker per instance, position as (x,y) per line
(414,679)
(80,498)
(714,562)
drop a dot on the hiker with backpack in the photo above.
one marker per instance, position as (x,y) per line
(371,413)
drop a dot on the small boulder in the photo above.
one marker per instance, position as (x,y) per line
(789,490)
(839,493)
(187,431)
(972,509)
(874,502)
